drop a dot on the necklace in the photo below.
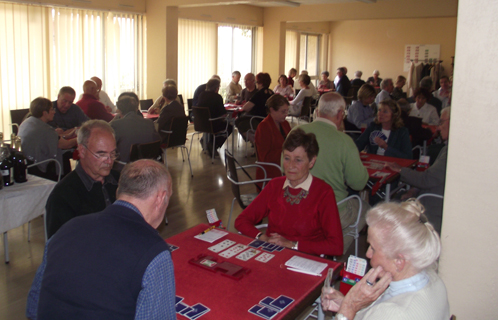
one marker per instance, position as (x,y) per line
(294,199)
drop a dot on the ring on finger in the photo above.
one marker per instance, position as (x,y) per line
(369,283)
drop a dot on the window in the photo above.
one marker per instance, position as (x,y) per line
(309,54)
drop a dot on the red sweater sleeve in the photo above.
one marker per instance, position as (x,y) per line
(96,110)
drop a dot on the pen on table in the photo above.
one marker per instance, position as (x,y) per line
(208,229)
(305,272)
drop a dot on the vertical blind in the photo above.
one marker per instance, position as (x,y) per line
(45,48)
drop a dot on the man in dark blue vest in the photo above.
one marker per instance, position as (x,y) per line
(112,264)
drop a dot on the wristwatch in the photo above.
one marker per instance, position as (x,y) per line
(340,316)
(295,246)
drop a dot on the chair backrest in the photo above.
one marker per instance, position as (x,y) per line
(190,104)
(232,175)
(146,104)
(178,134)
(201,120)
(151,150)
(305,110)
(181,100)
(17,116)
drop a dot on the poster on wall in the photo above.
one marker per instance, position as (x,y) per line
(426,53)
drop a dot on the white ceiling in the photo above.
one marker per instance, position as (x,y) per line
(296,3)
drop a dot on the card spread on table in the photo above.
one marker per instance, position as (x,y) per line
(184,311)
(222,246)
(266,301)
(256,243)
(197,311)
(178,299)
(248,254)
(281,302)
(264,257)
(172,247)
(267,313)
(180,307)
(232,251)
(254,310)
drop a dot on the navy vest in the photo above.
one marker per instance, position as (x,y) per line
(95,266)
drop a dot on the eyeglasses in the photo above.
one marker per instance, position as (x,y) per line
(103,156)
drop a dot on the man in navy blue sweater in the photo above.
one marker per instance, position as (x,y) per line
(111,264)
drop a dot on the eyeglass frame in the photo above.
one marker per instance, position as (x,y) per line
(102,157)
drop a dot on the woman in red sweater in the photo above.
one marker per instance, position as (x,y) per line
(301,209)
(271,134)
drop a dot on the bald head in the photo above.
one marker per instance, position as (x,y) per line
(330,104)
(98,82)
(90,87)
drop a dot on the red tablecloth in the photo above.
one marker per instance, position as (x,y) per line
(234,109)
(149,115)
(231,299)
(373,163)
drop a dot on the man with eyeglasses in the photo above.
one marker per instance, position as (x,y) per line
(431,180)
(91,187)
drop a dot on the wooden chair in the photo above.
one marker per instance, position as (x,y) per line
(176,137)
(203,123)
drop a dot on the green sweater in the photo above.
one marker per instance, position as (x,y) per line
(338,162)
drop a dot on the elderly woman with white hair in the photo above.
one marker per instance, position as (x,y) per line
(402,284)
(374,80)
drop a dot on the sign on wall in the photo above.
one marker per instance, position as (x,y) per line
(427,53)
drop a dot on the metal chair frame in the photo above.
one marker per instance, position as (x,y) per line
(177,137)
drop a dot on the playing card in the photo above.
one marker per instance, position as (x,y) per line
(279,248)
(254,310)
(222,246)
(172,247)
(267,313)
(178,299)
(248,254)
(270,248)
(266,301)
(256,243)
(375,134)
(265,257)
(180,307)
(197,311)
(281,302)
(233,251)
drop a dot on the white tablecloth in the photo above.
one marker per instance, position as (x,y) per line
(23,202)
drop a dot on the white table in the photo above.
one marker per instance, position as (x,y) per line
(21,203)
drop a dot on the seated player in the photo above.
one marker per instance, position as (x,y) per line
(301,209)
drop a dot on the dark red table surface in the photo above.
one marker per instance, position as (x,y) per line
(366,157)
(231,299)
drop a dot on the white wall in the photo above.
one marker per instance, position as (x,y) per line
(470,222)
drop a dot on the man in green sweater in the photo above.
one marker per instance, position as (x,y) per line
(338,162)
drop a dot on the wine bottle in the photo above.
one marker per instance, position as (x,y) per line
(19,162)
(6,167)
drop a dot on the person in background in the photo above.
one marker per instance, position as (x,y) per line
(374,80)
(343,85)
(160,101)
(360,113)
(171,109)
(112,264)
(325,83)
(314,93)
(357,79)
(200,89)
(131,129)
(402,283)
(255,107)
(271,134)
(427,84)
(234,88)
(387,136)
(385,94)
(297,103)
(444,92)
(283,88)
(337,78)
(301,209)
(249,90)
(90,104)
(91,187)
(398,89)
(68,116)
(414,125)
(428,113)
(39,141)
(431,180)
(103,96)
(292,74)
(338,163)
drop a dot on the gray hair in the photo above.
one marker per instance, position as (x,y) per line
(330,104)
(376,72)
(236,73)
(90,125)
(358,74)
(213,85)
(405,230)
(426,82)
(385,83)
(127,104)
(169,82)
(142,178)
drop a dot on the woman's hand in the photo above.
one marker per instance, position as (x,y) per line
(363,294)
(380,142)
(331,299)
(277,239)
(264,237)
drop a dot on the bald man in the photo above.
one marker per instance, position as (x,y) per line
(103,96)
(90,104)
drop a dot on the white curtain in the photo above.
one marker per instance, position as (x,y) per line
(291,50)
(45,48)
(23,58)
(197,54)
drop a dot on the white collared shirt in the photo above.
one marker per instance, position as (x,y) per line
(305,185)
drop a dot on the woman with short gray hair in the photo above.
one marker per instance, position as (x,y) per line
(403,252)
